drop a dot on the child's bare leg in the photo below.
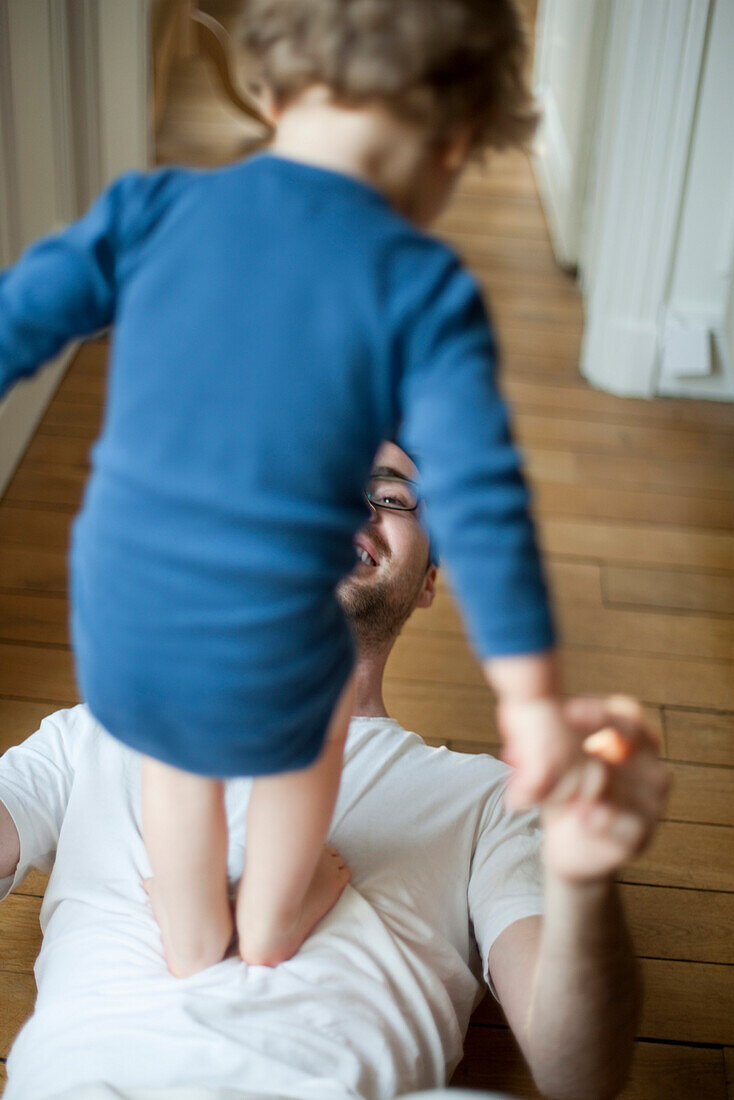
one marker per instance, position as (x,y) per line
(291,880)
(185,833)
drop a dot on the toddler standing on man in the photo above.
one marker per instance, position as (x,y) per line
(274,320)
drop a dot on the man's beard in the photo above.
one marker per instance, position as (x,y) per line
(378,609)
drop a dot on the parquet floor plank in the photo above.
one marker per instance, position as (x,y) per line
(30,618)
(17,997)
(21,933)
(33,528)
(669,589)
(688,925)
(622,441)
(28,671)
(687,1001)
(19,718)
(583,620)
(691,856)
(582,400)
(659,1071)
(699,736)
(677,681)
(683,1002)
(641,544)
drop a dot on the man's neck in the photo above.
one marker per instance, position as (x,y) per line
(368,673)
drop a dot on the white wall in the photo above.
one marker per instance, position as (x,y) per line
(656,207)
(643,133)
(36,190)
(728,325)
(568,60)
(74,90)
(702,275)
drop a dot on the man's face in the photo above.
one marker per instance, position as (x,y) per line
(395,577)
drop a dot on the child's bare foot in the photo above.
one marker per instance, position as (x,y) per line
(197,948)
(273,945)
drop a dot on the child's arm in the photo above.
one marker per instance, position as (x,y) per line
(479,512)
(531,721)
(478,504)
(65,285)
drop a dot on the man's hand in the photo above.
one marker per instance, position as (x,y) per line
(605,810)
(568,984)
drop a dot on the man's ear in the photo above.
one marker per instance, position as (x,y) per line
(428,589)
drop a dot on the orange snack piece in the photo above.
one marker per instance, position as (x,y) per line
(608,744)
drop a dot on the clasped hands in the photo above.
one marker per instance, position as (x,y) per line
(593,765)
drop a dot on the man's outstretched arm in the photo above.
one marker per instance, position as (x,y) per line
(568,985)
(568,981)
(9,844)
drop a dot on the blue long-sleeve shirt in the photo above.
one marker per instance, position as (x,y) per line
(273,322)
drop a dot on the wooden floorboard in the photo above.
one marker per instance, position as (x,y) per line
(17,995)
(660,1071)
(687,1001)
(700,736)
(683,1002)
(689,681)
(584,618)
(575,399)
(635,503)
(671,590)
(696,857)
(729,1071)
(33,528)
(669,923)
(643,544)
(625,443)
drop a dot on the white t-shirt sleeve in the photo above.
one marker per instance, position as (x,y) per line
(506,880)
(35,781)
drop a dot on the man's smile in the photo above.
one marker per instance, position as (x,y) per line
(367,552)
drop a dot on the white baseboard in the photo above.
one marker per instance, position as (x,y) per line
(552,170)
(22,409)
(618,355)
(717,386)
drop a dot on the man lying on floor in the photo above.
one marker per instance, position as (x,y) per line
(447,892)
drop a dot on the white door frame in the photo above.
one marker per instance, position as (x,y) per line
(653,64)
(700,297)
(74,95)
(566,30)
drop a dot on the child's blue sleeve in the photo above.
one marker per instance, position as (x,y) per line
(457,426)
(64,285)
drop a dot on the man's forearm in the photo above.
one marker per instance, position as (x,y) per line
(583,1012)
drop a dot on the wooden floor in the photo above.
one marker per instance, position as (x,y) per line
(636,507)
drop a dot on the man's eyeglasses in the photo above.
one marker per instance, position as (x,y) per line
(397,494)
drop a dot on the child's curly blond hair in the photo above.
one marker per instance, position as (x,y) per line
(442,64)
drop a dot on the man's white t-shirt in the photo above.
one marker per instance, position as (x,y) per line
(374,1004)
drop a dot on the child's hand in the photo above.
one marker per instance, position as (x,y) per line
(604,812)
(539,744)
